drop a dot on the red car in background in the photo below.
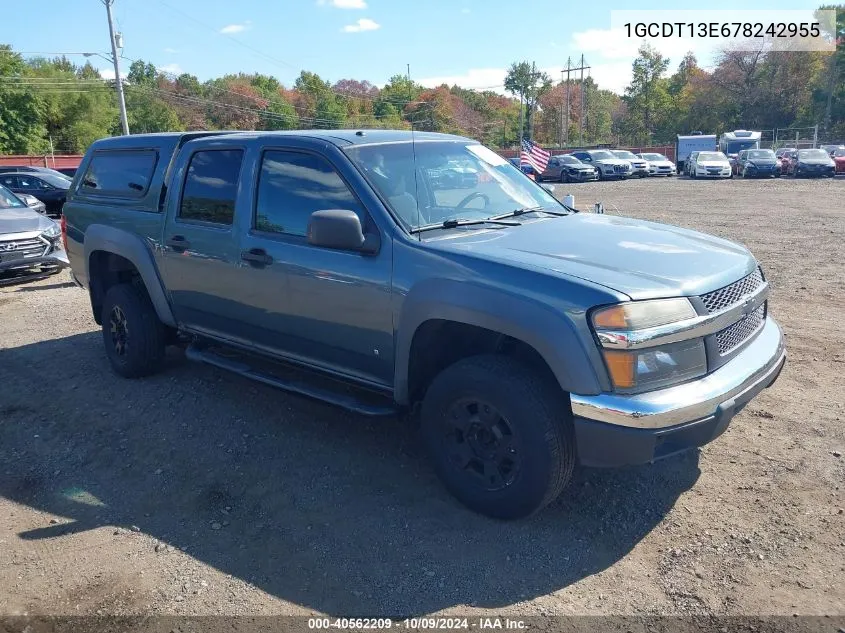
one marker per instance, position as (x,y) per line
(782,156)
(839,159)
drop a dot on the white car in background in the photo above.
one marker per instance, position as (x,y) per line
(711,165)
(658,164)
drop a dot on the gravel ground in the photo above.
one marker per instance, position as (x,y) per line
(197,492)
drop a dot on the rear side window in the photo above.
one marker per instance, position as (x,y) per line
(211,186)
(120,173)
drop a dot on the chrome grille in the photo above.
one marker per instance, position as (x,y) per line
(729,295)
(23,248)
(735,335)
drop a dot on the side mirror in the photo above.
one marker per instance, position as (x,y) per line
(340,229)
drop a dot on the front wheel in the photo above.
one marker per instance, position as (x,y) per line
(134,337)
(500,436)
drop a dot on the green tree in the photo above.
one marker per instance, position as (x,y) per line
(647,96)
(530,84)
(142,73)
(22,129)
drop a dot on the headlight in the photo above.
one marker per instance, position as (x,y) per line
(640,315)
(648,369)
(52,232)
(635,370)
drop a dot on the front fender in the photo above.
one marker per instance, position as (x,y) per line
(565,345)
(100,237)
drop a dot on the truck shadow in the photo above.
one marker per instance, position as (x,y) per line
(326,510)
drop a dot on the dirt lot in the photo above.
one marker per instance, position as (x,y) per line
(197,492)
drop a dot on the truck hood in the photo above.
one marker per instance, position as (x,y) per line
(637,258)
(22,221)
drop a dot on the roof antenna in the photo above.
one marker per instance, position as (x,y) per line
(414,154)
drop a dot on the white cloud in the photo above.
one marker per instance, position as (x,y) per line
(229,29)
(344,4)
(171,50)
(473,78)
(171,69)
(108,73)
(364,24)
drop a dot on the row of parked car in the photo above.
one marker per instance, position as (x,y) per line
(604,164)
(766,163)
(601,164)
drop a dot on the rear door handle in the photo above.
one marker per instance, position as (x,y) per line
(178,242)
(257,256)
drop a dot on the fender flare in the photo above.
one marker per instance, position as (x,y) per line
(99,237)
(552,334)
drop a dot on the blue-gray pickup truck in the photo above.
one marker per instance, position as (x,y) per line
(526,337)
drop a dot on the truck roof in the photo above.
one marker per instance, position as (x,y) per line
(337,137)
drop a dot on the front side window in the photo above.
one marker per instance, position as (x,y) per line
(211,186)
(292,186)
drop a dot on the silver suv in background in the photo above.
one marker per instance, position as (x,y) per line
(607,164)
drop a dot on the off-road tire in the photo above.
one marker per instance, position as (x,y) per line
(535,413)
(137,350)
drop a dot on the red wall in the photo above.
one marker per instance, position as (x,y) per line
(65,160)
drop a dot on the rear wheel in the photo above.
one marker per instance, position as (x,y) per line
(133,336)
(499,436)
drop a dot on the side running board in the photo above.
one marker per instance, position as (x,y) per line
(324,394)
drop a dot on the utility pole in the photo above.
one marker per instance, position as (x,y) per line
(117,81)
(581,122)
(566,124)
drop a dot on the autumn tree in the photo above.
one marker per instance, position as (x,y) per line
(530,84)
(647,96)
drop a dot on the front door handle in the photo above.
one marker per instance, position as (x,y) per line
(178,242)
(257,256)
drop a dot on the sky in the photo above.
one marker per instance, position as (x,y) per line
(468,42)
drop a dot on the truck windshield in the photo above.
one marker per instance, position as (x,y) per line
(452,180)
(8,200)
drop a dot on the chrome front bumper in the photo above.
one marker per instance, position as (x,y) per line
(747,374)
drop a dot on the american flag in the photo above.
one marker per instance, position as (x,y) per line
(534,155)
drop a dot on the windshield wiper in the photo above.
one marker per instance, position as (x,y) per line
(456,222)
(524,210)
